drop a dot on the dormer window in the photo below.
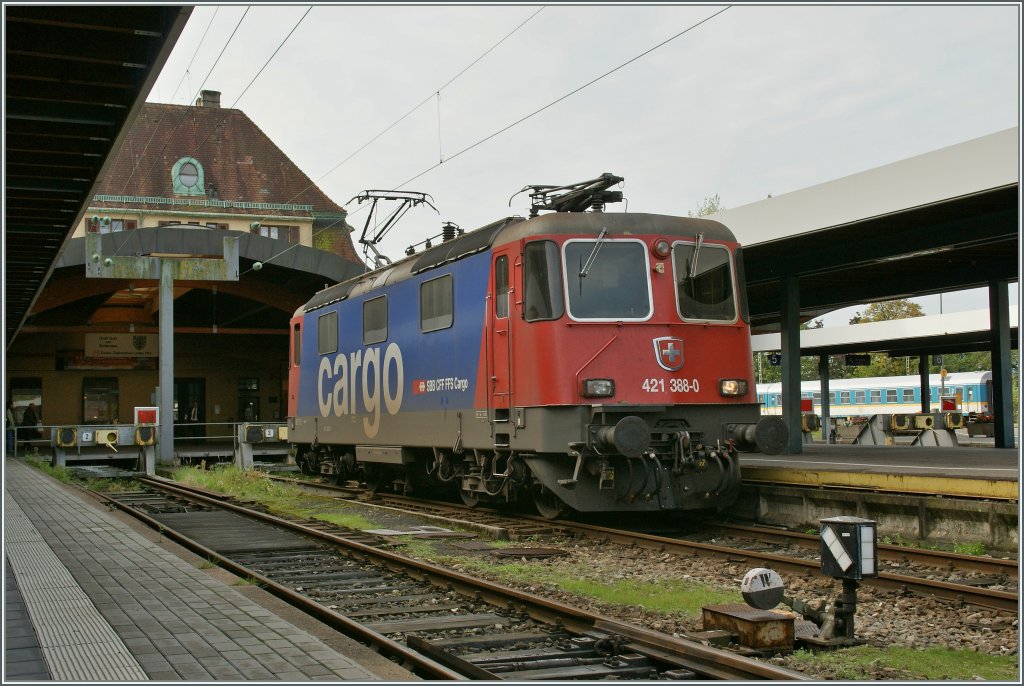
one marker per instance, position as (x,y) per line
(187,177)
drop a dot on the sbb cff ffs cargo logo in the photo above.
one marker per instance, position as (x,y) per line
(669,353)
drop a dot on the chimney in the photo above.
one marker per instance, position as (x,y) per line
(208,99)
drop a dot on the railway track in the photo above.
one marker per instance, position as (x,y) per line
(930,563)
(439,624)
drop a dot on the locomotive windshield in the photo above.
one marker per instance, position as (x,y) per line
(703,282)
(616,285)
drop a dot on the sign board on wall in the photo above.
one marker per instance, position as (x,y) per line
(121,345)
(76,359)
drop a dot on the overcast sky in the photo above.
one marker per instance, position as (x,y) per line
(756,100)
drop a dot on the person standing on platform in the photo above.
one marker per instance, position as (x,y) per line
(9,426)
(28,423)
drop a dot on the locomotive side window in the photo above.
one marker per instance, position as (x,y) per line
(375,320)
(501,287)
(326,335)
(436,311)
(542,281)
(607,280)
(703,282)
(296,345)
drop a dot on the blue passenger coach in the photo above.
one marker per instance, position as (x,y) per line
(886,394)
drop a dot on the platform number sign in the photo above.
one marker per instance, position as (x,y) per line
(858,360)
(775,359)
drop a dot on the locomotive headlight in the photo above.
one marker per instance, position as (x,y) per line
(598,388)
(732,387)
(661,248)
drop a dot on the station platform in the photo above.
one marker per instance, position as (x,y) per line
(969,472)
(92,595)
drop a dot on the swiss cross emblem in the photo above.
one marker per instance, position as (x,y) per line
(669,353)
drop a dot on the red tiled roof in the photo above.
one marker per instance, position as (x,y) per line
(240,164)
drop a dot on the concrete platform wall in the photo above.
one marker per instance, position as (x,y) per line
(928,519)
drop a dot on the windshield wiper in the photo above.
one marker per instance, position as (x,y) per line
(696,251)
(593,253)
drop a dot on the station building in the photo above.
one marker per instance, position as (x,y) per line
(185,178)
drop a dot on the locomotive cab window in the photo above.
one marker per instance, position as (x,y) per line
(542,281)
(703,282)
(436,311)
(375,320)
(607,280)
(326,334)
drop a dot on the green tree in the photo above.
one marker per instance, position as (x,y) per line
(709,205)
(881,363)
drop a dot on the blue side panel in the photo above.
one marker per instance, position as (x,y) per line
(410,370)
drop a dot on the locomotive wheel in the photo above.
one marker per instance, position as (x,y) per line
(375,477)
(547,503)
(305,462)
(469,498)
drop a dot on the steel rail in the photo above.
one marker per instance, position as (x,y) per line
(408,658)
(992,565)
(1001,601)
(692,655)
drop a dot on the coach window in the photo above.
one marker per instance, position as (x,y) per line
(908,395)
(326,335)
(436,311)
(844,397)
(607,280)
(703,282)
(501,287)
(542,281)
(859,397)
(876,395)
(375,320)
(891,396)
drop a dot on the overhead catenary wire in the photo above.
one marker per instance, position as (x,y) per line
(194,53)
(426,99)
(244,90)
(528,116)
(435,93)
(449,82)
(158,157)
(567,95)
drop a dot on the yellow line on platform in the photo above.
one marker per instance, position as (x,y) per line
(896,483)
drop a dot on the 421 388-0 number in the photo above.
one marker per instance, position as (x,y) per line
(673,385)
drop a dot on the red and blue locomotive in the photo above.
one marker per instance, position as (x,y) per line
(590,361)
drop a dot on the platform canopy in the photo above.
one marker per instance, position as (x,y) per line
(74,75)
(943,221)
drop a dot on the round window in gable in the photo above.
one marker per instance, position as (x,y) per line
(188,175)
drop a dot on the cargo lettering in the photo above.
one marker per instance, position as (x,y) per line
(340,385)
